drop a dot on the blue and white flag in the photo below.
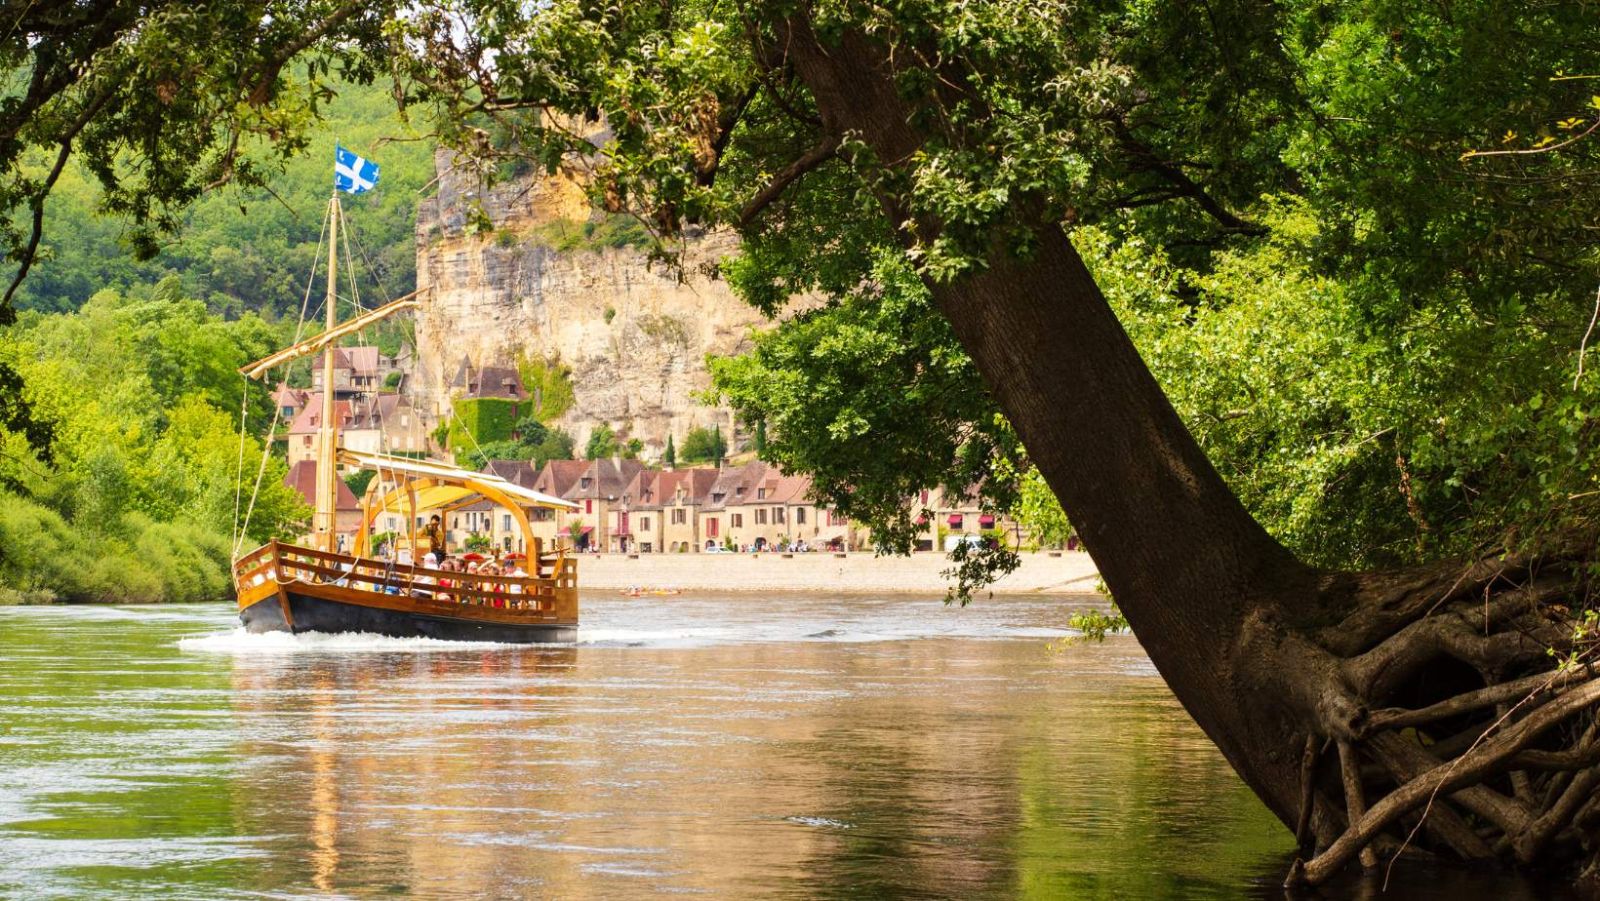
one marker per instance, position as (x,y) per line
(351,173)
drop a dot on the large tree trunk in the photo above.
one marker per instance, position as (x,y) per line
(1288,669)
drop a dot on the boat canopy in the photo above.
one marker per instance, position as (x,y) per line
(437,484)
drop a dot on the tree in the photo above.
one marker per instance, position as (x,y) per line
(669,457)
(919,165)
(703,445)
(602,443)
(160,102)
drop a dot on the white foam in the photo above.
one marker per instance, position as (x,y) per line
(239,641)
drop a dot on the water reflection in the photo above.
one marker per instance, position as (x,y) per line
(681,755)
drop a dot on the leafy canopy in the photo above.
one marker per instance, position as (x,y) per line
(1374,338)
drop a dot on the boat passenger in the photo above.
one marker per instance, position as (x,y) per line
(448,566)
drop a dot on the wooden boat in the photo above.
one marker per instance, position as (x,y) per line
(313,587)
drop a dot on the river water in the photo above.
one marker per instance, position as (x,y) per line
(797,746)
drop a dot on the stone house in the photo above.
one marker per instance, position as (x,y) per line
(680,510)
(383,423)
(356,370)
(654,512)
(596,491)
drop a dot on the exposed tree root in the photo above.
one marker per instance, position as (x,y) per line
(1462,704)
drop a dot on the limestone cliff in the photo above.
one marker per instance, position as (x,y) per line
(525,280)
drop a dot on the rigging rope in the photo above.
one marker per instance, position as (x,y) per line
(242,528)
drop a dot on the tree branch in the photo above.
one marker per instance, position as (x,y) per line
(816,156)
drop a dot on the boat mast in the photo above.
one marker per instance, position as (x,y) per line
(326,524)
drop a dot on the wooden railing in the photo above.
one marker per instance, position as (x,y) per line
(540,593)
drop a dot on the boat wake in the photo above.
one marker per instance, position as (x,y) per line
(238,641)
(692,622)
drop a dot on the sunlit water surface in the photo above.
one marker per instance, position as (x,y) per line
(794,746)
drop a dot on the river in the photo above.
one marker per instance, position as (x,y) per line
(788,746)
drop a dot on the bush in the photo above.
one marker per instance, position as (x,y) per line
(43,558)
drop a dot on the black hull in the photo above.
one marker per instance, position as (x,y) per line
(312,614)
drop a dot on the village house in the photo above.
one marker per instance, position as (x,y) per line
(757,507)
(385,423)
(597,490)
(356,370)
(950,516)
(680,509)
(722,515)
(641,516)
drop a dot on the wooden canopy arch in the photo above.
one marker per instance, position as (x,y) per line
(430,485)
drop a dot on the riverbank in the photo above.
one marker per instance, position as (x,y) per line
(1072,572)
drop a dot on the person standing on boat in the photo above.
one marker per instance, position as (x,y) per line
(436,539)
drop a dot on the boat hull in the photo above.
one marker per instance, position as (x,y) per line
(287,588)
(314,614)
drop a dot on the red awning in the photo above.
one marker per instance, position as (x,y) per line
(955,519)
(586,530)
(986,521)
(622,533)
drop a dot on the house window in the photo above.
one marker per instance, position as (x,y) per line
(799,516)
(736,520)
(678,517)
(834,519)
(404,420)
(761,516)
(777,514)
(644,523)
(585,482)
(588,505)
(711,527)
(505,522)
(308,441)
(761,494)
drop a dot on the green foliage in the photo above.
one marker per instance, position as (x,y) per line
(479,421)
(533,442)
(358,481)
(1038,511)
(604,232)
(478,543)
(1095,625)
(602,443)
(549,383)
(144,491)
(703,445)
(632,448)
(391,382)
(669,457)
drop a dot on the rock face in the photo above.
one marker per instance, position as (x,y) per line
(634,336)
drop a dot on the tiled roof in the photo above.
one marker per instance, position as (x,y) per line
(359,413)
(302,477)
(558,476)
(309,419)
(605,479)
(519,472)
